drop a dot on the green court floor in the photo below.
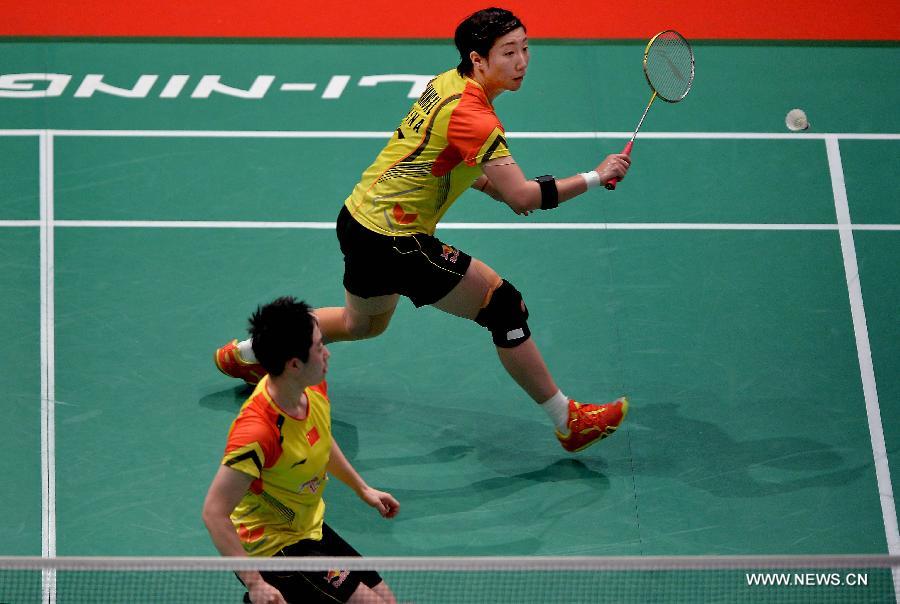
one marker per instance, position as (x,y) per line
(717,287)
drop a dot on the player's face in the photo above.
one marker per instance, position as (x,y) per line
(506,62)
(316,366)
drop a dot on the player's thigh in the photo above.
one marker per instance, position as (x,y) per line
(373,306)
(366,595)
(385,592)
(472,292)
(369,317)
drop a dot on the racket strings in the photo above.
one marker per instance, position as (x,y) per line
(669,66)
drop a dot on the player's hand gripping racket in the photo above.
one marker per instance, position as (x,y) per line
(669,69)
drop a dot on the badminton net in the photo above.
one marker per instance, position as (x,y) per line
(518,580)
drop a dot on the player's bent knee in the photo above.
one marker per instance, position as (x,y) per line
(369,326)
(379,323)
(505,316)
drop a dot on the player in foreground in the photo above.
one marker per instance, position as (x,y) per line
(451,140)
(266,498)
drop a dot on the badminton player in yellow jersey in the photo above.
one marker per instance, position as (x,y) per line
(450,140)
(266,498)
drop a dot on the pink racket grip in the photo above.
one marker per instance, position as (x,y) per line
(611,183)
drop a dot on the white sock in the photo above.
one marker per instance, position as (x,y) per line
(557,407)
(245,350)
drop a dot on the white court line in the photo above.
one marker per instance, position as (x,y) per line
(370,134)
(799,136)
(661,226)
(48,369)
(864,352)
(24,132)
(225,133)
(20,223)
(460,226)
(465,226)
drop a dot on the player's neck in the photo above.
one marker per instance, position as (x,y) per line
(490,92)
(289,395)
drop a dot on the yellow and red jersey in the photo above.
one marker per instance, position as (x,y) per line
(287,458)
(434,155)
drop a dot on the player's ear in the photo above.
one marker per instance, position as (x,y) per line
(477,59)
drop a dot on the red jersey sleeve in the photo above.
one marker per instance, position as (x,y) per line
(254,439)
(321,388)
(474,129)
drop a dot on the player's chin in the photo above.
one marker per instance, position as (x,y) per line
(516,83)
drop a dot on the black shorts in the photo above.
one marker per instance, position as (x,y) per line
(335,585)
(419,266)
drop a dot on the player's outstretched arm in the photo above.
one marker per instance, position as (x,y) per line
(340,468)
(504,180)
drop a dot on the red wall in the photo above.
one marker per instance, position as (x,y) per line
(696,19)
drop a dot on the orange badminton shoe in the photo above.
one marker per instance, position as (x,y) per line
(589,424)
(229,362)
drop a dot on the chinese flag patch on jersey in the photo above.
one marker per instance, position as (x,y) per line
(312,436)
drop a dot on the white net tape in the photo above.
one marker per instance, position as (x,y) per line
(484,579)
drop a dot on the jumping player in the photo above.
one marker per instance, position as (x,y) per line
(451,139)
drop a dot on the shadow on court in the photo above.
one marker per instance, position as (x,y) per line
(229,399)
(710,458)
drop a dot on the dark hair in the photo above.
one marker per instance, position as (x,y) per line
(281,330)
(479,31)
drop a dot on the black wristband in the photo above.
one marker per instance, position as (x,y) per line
(549,192)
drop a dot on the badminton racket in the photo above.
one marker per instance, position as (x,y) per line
(669,69)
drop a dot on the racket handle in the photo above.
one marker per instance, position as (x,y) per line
(611,183)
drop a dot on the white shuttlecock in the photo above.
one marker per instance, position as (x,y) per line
(796,120)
